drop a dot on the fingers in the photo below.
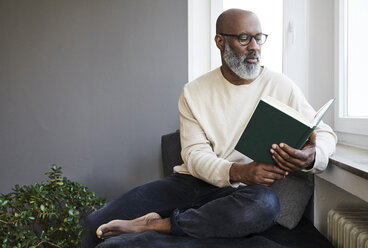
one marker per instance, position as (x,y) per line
(288,153)
(256,173)
(288,156)
(291,159)
(269,178)
(284,164)
(263,181)
(276,170)
(268,174)
(266,182)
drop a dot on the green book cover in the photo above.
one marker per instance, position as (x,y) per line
(272,123)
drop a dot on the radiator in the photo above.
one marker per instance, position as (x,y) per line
(348,228)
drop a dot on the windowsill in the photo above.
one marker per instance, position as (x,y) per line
(352,159)
(348,170)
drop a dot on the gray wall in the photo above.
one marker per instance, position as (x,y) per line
(91,86)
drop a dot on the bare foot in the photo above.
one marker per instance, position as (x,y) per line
(151,221)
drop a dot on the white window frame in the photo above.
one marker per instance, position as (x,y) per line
(351,130)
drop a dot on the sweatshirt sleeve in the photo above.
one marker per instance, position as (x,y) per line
(326,139)
(197,153)
(325,146)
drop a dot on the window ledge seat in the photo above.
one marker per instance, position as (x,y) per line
(348,169)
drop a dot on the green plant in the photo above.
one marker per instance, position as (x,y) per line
(46,215)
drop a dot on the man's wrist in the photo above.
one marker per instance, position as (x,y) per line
(234,173)
(311,165)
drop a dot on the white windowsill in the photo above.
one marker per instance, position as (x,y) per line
(348,169)
(352,159)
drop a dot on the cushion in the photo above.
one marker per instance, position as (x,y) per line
(294,191)
(152,239)
(305,235)
(170,148)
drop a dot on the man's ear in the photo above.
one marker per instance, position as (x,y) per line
(220,42)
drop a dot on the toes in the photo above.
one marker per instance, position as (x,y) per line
(117,227)
(105,228)
(99,231)
(153,215)
(110,234)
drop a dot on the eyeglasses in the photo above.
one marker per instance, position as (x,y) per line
(244,38)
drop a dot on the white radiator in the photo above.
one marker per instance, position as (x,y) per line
(348,228)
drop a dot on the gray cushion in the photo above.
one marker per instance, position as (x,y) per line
(294,191)
(170,148)
(152,239)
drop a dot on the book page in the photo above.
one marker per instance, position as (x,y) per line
(321,112)
(287,110)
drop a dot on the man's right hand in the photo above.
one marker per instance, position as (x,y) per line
(256,173)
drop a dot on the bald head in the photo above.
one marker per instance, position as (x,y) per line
(232,19)
(240,55)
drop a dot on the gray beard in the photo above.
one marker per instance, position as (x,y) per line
(239,65)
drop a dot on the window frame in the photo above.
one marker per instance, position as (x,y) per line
(350,126)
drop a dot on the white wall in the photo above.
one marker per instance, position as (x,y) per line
(295,60)
(199,35)
(321,39)
(203,54)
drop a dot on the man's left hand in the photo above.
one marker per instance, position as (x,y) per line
(293,160)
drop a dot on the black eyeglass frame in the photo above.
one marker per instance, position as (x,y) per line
(249,38)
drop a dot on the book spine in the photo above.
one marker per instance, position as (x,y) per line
(304,138)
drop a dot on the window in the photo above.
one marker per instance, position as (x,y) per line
(356,54)
(352,114)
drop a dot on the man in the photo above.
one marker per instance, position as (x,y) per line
(219,192)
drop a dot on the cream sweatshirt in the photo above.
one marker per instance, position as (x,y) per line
(214,114)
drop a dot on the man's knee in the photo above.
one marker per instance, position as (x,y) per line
(266,200)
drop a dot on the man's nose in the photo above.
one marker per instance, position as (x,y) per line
(253,45)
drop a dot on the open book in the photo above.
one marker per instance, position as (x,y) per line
(274,122)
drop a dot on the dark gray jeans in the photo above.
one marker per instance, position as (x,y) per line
(195,208)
